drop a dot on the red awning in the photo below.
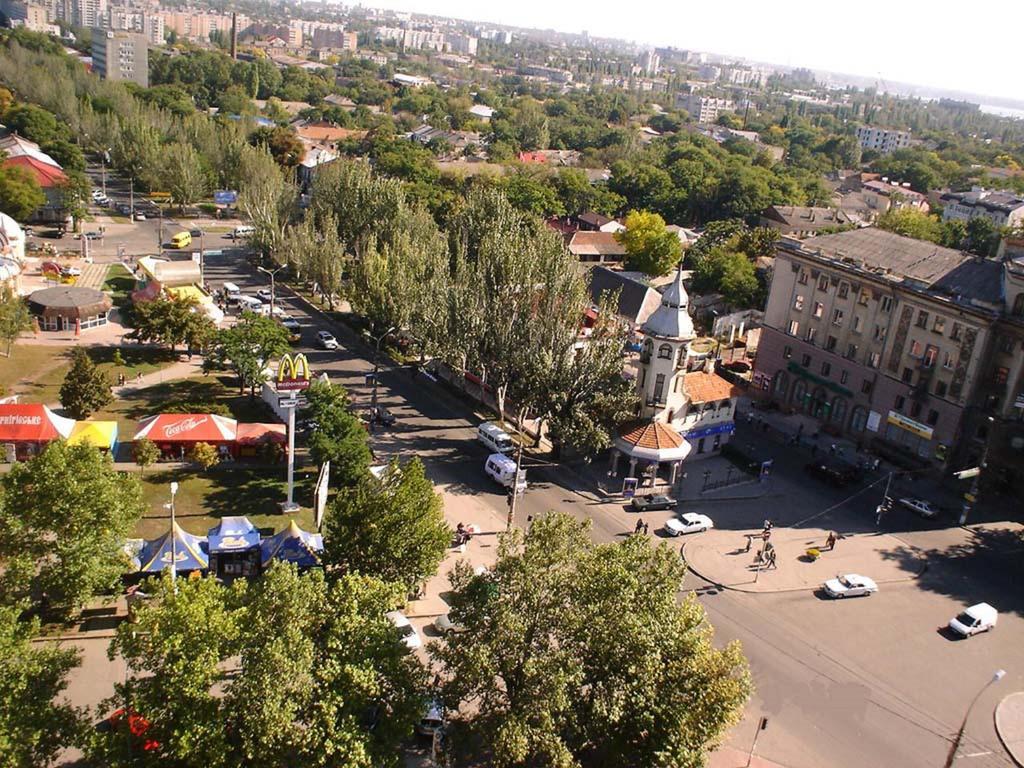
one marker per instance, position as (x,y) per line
(253,434)
(32,423)
(188,428)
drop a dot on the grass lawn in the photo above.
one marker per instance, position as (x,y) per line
(254,491)
(119,284)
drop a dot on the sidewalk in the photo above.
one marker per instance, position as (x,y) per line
(720,557)
(729,757)
(1010,725)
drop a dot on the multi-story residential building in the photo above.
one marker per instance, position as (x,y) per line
(650,62)
(121,56)
(709,72)
(33,17)
(464,44)
(901,344)
(1004,209)
(89,13)
(703,109)
(881,194)
(146,22)
(882,139)
(197,25)
(548,73)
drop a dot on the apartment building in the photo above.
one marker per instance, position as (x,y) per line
(145,22)
(894,340)
(35,18)
(89,13)
(882,140)
(197,25)
(462,44)
(703,109)
(118,55)
(1004,209)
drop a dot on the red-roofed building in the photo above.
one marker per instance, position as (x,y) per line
(534,158)
(47,175)
(50,177)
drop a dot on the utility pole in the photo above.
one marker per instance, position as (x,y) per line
(761,725)
(972,495)
(886,501)
(272,273)
(951,757)
(514,491)
(131,198)
(174,552)
(376,371)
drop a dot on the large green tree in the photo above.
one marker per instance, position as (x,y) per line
(64,517)
(650,247)
(392,527)
(266,196)
(171,321)
(339,436)
(185,174)
(581,654)
(20,193)
(85,388)
(14,317)
(248,348)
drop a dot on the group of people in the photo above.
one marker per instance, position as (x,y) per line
(641,527)
(462,535)
(122,379)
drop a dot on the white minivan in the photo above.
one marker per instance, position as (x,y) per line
(232,293)
(494,437)
(243,230)
(250,304)
(503,470)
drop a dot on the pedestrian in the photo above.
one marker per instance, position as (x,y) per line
(799,429)
(750,538)
(767,525)
(646,528)
(830,542)
(832,449)
(876,465)
(771,559)
(138,378)
(639,525)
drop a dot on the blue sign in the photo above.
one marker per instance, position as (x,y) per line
(717,429)
(225,197)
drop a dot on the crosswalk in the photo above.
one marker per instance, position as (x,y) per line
(93,276)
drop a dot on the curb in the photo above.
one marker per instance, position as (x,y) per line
(1017,759)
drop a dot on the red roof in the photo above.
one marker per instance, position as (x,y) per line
(32,423)
(253,434)
(533,157)
(46,175)
(188,428)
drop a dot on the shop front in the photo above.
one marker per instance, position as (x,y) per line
(911,435)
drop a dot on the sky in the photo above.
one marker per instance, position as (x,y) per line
(940,43)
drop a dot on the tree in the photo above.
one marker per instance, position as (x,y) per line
(205,455)
(578,653)
(146,453)
(35,725)
(283,144)
(171,321)
(64,516)
(982,236)
(20,193)
(650,247)
(185,175)
(911,222)
(339,436)
(85,388)
(247,348)
(392,528)
(14,316)
(266,197)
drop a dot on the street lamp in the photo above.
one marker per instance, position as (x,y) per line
(976,485)
(996,677)
(376,369)
(174,553)
(272,273)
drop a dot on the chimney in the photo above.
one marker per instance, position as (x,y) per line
(234,35)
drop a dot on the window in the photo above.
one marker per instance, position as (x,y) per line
(798,303)
(863,298)
(844,376)
(858,323)
(844,290)
(805,361)
(940,388)
(837,317)
(900,402)
(931,352)
(830,344)
(819,308)
(826,368)
(886,305)
(915,409)
(948,361)
(922,319)
(802,277)
(908,375)
(939,325)
(865,387)
(915,348)
(956,332)
(1018,305)
(879,333)
(851,351)
(665,351)
(787,352)
(811,333)
(933,417)
(794,328)
(1006,344)
(659,388)
(1002,374)
(875,360)
(823,283)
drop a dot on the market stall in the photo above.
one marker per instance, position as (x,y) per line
(234,547)
(293,545)
(187,551)
(26,428)
(99,434)
(252,439)
(175,434)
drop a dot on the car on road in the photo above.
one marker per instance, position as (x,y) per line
(70,272)
(406,630)
(196,232)
(651,503)
(978,618)
(445,625)
(123,208)
(264,294)
(381,415)
(925,509)
(432,720)
(834,471)
(94,235)
(326,340)
(850,585)
(97,194)
(140,216)
(688,522)
(291,325)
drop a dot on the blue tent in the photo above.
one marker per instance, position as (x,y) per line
(233,534)
(293,545)
(190,552)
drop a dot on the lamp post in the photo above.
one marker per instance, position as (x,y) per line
(272,273)
(976,484)
(174,552)
(996,677)
(376,369)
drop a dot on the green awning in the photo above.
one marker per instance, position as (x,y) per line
(798,370)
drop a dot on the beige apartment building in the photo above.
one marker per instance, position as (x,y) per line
(891,339)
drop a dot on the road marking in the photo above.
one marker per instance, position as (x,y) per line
(977,754)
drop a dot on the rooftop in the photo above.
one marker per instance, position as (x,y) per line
(705,387)
(596,244)
(806,217)
(637,300)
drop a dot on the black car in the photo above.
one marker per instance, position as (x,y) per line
(838,473)
(196,232)
(381,415)
(650,503)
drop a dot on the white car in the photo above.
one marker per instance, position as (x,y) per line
(850,585)
(924,508)
(410,636)
(326,340)
(978,618)
(445,625)
(264,294)
(688,522)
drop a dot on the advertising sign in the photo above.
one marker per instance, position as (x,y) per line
(225,197)
(293,373)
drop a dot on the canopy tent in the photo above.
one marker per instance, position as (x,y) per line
(99,434)
(233,534)
(189,552)
(188,428)
(256,434)
(30,426)
(293,545)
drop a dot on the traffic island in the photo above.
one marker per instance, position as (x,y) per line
(724,559)
(1010,725)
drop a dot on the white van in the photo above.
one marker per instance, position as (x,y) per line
(494,437)
(503,470)
(232,293)
(244,230)
(250,304)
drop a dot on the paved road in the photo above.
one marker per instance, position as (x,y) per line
(858,683)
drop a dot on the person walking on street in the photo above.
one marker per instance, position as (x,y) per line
(771,559)
(831,541)
(750,538)
(639,525)
(646,528)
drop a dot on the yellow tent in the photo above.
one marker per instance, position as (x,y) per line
(189,292)
(100,434)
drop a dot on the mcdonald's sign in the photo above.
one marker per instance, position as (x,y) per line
(292,373)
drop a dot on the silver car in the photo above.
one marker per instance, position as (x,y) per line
(850,585)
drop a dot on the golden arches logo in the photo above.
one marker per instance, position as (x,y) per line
(293,372)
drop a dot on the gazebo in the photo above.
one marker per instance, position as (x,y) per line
(69,307)
(250,438)
(99,434)
(178,546)
(651,442)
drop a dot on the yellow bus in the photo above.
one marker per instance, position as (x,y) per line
(181,240)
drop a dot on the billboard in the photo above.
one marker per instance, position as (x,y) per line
(225,197)
(323,483)
(293,373)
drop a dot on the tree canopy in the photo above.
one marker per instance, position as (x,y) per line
(650,247)
(85,388)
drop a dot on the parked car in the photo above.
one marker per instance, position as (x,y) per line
(264,294)
(432,720)
(381,415)
(850,585)
(838,473)
(651,503)
(688,522)
(445,625)
(123,208)
(196,232)
(97,194)
(140,216)
(94,235)
(66,271)
(925,509)
(978,618)
(326,340)
(408,633)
